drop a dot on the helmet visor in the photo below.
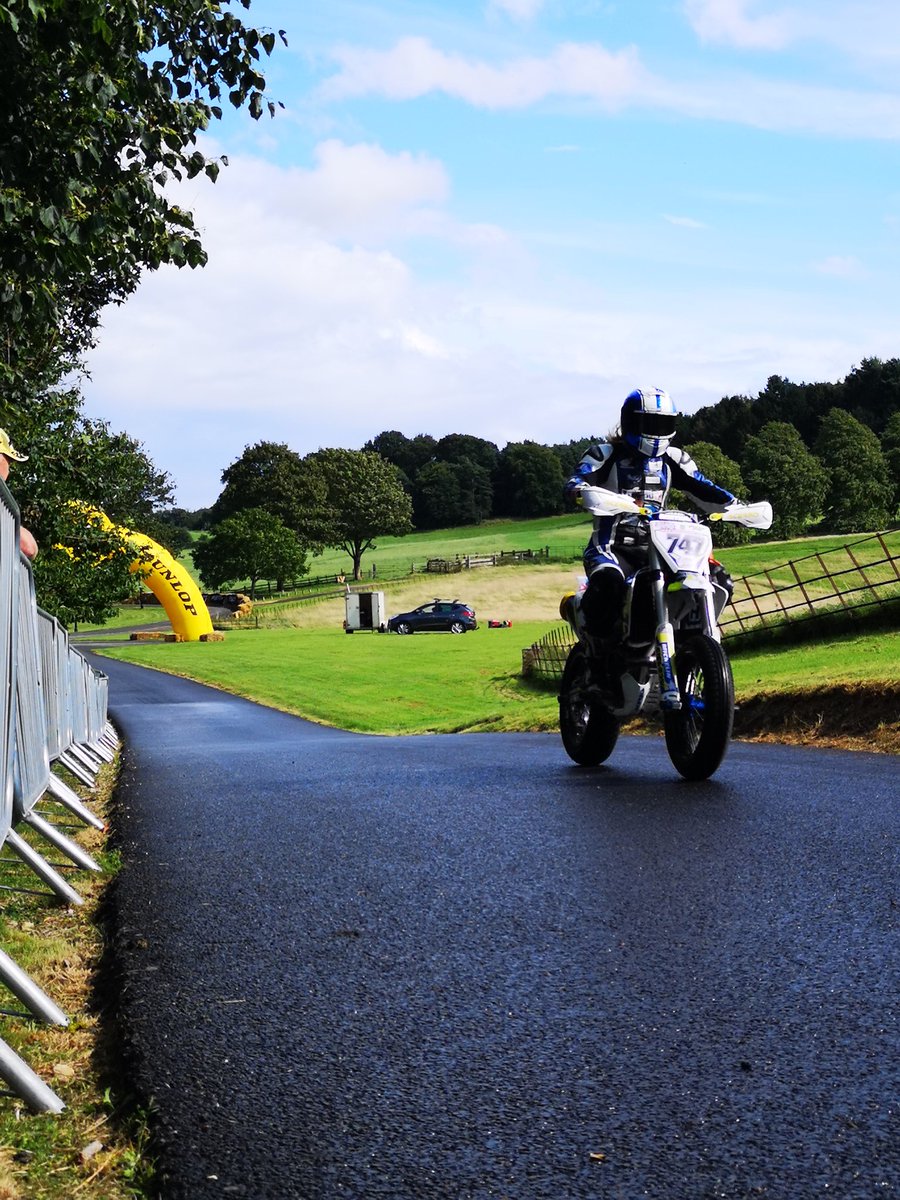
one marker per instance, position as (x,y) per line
(653,425)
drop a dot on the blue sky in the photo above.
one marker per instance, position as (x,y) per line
(498,216)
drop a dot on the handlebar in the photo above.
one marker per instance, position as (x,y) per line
(602,503)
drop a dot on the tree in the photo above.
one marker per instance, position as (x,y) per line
(778,467)
(463,447)
(571,453)
(85,574)
(270,476)
(82,573)
(871,392)
(799,404)
(860,493)
(175,538)
(409,455)
(100,107)
(890,446)
(251,545)
(366,499)
(451,493)
(529,481)
(726,424)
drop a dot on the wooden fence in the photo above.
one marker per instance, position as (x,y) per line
(324,585)
(304,585)
(469,562)
(850,580)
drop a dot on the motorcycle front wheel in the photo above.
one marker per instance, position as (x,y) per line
(589,731)
(697,735)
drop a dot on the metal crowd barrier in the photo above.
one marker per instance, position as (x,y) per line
(54,648)
(9,558)
(52,710)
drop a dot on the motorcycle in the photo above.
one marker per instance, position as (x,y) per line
(668,656)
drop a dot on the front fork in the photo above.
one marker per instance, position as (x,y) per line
(669,695)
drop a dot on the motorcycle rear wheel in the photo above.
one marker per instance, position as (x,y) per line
(588,730)
(697,736)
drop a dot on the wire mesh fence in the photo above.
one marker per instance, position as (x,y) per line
(545,659)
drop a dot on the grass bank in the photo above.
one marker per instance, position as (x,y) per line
(97,1147)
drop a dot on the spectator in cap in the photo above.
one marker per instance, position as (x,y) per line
(27,544)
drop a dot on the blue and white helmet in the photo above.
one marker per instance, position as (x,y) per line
(649,419)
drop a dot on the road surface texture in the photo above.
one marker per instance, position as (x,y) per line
(459,966)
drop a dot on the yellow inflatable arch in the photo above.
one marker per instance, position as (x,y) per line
(168,581)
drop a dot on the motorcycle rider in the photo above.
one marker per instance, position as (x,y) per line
(641,463)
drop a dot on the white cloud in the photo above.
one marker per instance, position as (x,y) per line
(416,339)
(864,30)
(519,10)
(413,68)
(788,107)
(304,327)
(730,21)
(352,191)
(841,266)
(685,222)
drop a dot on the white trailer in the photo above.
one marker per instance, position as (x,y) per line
(364,610)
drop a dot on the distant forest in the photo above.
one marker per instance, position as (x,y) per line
(798,444)
(826,454)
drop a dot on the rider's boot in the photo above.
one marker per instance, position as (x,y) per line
(611,664)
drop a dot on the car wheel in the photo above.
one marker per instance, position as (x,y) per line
(457,627)
(404,627)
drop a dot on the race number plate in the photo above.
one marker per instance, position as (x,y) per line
(683,544)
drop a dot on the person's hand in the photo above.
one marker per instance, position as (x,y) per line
(27,544)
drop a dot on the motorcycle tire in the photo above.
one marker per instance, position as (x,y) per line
(589,731)
(697,735)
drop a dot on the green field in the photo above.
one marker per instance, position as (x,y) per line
(564,536)
(375,683)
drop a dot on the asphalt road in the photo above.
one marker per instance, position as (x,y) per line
(458,966)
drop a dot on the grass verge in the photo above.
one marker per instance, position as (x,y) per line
(96,1148)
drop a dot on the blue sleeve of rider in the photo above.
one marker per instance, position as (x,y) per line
(687,476)
(593,469)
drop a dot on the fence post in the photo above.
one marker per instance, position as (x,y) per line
(827,575)
(809,602)
(887,555)
(26,990)
(23,1081)
(863,576)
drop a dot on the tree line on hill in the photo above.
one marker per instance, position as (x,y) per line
(826,455)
